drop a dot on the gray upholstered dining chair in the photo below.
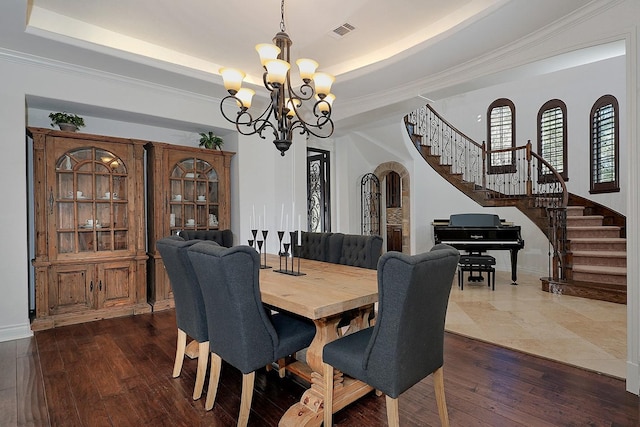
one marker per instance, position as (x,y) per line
(406,343)
(246,334)
(190,312)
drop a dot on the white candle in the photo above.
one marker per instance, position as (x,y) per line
(265,216)
(282,218)
(259,223)
(293,215)
(299,232)
(286,222)
(253,224)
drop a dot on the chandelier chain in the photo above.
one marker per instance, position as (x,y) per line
(282,28)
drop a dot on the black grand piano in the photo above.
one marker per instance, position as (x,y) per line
(477,233)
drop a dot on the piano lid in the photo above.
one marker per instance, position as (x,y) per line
(474,220)
(470,221)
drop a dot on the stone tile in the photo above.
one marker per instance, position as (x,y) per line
(577,331)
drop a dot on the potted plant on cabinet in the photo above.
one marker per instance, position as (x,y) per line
(67,122)
(211,141)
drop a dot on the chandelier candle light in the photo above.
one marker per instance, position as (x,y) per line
(284,114)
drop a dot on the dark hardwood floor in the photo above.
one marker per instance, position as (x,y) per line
(117,372)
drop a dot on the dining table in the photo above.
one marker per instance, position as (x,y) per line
(326,294)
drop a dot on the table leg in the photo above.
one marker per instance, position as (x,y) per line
(309,411)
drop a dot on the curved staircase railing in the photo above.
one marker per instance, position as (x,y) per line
(525,181)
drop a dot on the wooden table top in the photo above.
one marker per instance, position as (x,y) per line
(326,289)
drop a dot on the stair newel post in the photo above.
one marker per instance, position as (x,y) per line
(529,182)
(484,164)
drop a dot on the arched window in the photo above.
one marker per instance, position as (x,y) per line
(604,145)
(552,137)
(501,134)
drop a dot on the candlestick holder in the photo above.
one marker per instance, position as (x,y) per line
(284,254)
(250,241)
(292,241)
(295,250)
(255,233)
(280,236)
(264,237)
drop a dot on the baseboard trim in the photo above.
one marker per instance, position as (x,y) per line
(633,378)
(15,332)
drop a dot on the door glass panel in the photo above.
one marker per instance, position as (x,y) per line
(318,185)
(370,204)
(175,217)
(190,215)
(65,186)
(81,154)
(119,187)
(85,185)
(120,240)
(85,214)
(66,242)
(65,163)
(104,239)
(120,215)
(189,194)
(103,215)
(212,218)
(213,189)
(176,190)
(102,186)
(86,239)
(101,168)
(66,216)
(86,166)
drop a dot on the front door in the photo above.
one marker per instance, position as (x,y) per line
(318,185)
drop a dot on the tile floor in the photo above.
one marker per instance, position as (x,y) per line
(577,331)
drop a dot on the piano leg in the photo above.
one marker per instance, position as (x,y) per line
(514,266)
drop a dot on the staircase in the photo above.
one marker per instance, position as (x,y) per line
(597,259)
(589,248)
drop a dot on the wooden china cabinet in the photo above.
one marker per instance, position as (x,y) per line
(90,258)
(188,188)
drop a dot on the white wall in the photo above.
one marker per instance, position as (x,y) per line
(267,180)
(14,322)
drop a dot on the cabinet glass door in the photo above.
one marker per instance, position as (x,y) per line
(91,199)
(194,198)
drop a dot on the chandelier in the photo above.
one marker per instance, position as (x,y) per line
(285,114)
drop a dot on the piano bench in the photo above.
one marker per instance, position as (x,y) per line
(477,263)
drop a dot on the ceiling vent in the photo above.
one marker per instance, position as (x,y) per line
(342,31)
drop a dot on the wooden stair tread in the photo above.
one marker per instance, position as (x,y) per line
(600,269)
(571,212)
(592,227)
(600,253)
(598,239)
(576,217)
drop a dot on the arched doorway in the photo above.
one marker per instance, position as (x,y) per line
(397,216)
